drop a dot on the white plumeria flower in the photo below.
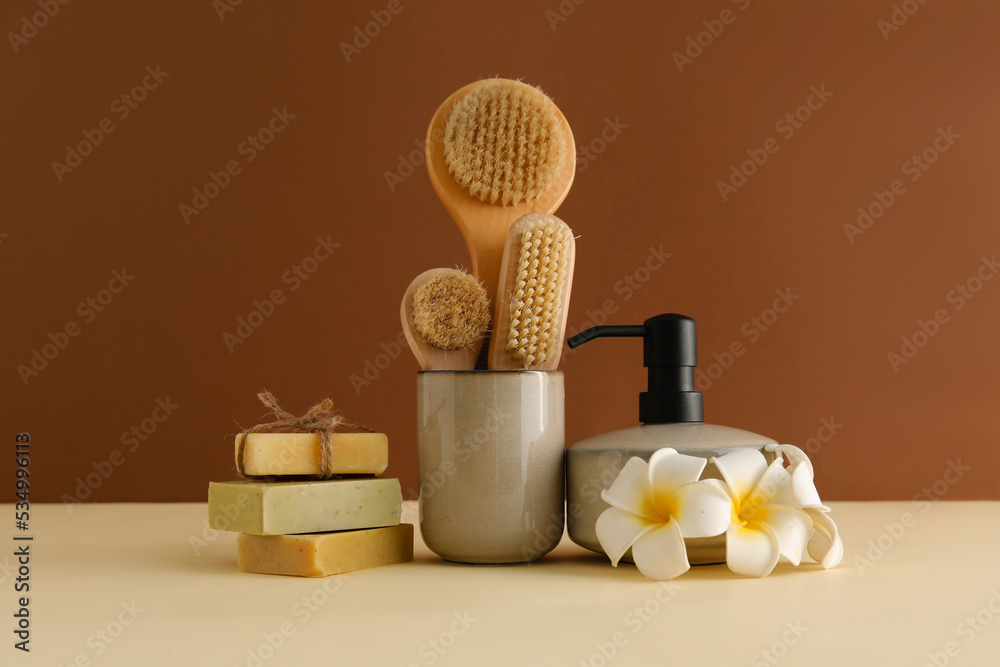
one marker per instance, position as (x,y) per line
(825,545)
(654,506)
(766,523)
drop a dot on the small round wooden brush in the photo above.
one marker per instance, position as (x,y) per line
(445,314)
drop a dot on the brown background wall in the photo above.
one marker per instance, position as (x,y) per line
(651,183)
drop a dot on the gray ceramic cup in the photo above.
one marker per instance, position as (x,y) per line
(490,447)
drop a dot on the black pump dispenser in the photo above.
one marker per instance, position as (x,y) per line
(670,352)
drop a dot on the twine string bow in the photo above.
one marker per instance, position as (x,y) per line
(320,419)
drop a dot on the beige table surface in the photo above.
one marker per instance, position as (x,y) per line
(130,584)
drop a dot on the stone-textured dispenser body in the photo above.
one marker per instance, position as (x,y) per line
(593,464)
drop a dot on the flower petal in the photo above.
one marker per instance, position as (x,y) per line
(741,468)
(796,457)
(773,487)
(669,471)
(660,554)
(825,547)
(803,491)
(702,510)
(791,526)
(803,487)
(751,551)
(722,486)
(617,531)
(631,490)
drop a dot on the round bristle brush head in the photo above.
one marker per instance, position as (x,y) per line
(503,142)
(537,299)
(451,310)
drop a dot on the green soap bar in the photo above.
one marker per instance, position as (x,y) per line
(288,508)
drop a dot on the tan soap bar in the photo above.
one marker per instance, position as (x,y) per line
(282,508)
(323,554)
(299,453)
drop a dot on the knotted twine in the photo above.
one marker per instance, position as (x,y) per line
(320,419)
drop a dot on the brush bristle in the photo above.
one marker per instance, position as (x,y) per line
(504,142)
(534,333)
(451,310)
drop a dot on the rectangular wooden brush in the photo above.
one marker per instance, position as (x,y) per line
(532,302)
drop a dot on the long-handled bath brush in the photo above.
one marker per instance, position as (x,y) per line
(532,301)
(498,149)
(445,314)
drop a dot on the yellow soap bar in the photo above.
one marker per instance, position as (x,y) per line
(283,508)
(299,453)
(323,554)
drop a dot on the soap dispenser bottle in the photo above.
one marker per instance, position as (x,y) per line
(671,414)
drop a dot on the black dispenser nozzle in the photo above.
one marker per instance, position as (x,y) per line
(670,352)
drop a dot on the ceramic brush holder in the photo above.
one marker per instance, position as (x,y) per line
(490,447)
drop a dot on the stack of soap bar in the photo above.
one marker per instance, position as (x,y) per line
(285,508)
(313,528)
(299,453)
(323,554)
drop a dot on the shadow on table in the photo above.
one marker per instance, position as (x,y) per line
(596,566)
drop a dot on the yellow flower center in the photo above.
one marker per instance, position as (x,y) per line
(665,505)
